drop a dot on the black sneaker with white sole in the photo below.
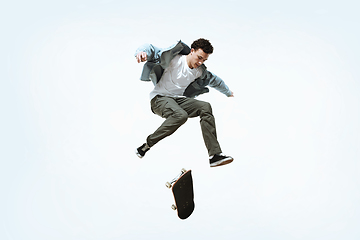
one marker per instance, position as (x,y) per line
(140,151)
(219,160)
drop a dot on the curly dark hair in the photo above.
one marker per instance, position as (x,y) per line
(204,44)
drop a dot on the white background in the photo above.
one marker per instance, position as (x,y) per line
(73,111)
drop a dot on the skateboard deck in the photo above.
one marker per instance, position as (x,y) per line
(182,189)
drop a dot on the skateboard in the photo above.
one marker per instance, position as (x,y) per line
(182,189)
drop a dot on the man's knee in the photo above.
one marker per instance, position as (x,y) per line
(181,116)
(206,107)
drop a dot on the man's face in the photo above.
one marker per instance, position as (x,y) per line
(196,58)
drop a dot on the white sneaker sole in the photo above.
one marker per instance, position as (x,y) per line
(138,154)
(222,162)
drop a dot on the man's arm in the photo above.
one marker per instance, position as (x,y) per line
(217,83)
(147,52)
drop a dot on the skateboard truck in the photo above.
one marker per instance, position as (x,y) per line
(169,184)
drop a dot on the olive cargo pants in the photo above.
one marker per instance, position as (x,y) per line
(177,111)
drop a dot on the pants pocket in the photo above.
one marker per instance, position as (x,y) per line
(158,105)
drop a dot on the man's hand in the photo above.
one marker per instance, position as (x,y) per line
(141,57)
(232,94)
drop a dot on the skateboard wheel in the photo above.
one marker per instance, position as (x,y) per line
(173,207)
(168,185)
(183,170)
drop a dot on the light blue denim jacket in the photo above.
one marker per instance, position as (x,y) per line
(159,59)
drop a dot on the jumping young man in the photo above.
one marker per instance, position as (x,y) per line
(179,75)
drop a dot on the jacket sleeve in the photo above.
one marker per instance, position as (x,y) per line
(153,53)
(217,83)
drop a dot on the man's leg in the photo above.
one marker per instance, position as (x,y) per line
(203,109)
(168,108)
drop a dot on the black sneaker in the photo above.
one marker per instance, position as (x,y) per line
(140,151)
(219,160)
